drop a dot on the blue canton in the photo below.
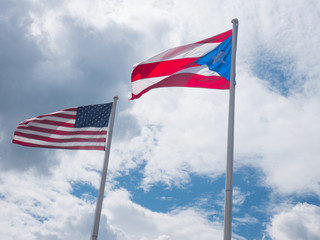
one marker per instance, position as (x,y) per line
(93,115)
(219,59)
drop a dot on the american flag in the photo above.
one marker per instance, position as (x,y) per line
(82,127)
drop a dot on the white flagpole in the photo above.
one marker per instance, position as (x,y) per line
(229,169)
(95,228)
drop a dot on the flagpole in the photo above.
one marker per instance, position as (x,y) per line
(95,228)
(229,167)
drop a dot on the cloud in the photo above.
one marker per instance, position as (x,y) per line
(283,136)
(35,208)
(299,222)
(179,138)
(140,223)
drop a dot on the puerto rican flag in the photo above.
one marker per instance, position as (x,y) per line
(204,64)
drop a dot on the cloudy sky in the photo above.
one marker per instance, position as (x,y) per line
(167,164)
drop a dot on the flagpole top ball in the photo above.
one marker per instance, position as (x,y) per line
(235,20)
(115,97)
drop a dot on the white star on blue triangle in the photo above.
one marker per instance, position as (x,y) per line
(219,59)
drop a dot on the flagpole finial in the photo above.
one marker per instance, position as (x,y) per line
(235,20)
(115,98)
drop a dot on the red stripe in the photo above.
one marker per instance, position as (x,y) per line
(218,38)
(60,147)
(50,139)
(49,122)
(60,114)
(59,132)
(189,80)
(163,68)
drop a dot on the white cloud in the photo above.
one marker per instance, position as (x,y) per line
(137,222)
(239,197)
(179,138)
(43,208)
(300,222)
(35,206)
(282,135)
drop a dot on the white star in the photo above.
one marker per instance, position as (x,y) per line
(218,57)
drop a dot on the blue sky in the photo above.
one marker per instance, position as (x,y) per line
(168,155)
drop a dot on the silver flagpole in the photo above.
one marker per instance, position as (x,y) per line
(229,169)
(95,228)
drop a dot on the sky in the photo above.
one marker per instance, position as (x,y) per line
(167,164)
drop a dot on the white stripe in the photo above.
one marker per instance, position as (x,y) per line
(195,50)
(200,70)
(141,84)
(56,136)
(70,144)
(50,114)
(68,129)
(51,118)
